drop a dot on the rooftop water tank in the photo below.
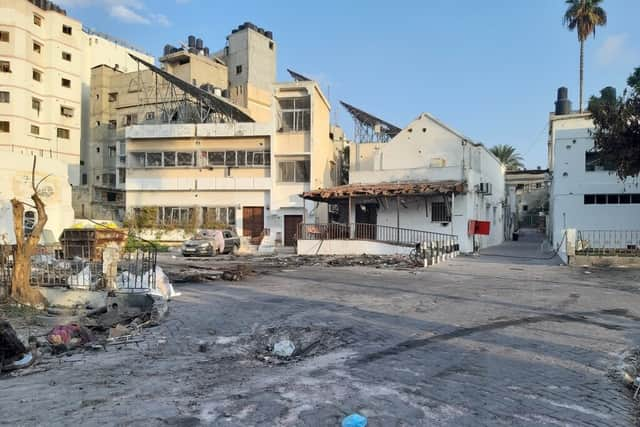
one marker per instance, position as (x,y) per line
(563,105)
(199,44)
(192,41)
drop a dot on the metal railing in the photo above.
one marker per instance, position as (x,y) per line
(373,232)
(608,242)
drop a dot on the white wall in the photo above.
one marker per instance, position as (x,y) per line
(348,247)
(571,182)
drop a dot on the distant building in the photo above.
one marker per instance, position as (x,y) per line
(586,195)
(427,177)
(527,199)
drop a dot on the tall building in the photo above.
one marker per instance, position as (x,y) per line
(45,62)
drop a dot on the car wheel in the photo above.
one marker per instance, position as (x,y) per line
(185,255)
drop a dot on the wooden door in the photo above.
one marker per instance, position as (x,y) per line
(291,229)
(252,221)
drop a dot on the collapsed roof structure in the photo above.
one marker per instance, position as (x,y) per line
(369,128)
(384,189)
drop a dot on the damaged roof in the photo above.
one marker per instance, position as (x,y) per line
(385,189)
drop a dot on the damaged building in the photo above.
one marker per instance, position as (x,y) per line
(208,140)
(408,185)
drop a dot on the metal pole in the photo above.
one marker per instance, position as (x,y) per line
(398,218)
(453,198)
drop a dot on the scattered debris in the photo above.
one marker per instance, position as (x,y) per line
(284,348)
(354,420)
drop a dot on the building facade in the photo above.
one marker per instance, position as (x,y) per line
(586,195)
(527,199)
(440,180)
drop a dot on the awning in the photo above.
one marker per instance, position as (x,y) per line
(385,189)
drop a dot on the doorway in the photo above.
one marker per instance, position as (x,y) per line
(253,222)
(366,220)
(291,223)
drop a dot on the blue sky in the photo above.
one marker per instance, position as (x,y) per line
(489,69)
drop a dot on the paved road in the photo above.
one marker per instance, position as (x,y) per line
(485,340)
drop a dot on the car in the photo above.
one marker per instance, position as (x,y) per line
(211,242)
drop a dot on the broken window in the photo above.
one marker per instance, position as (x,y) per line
(137,160)
(129,119)
(593,163)
(175,215)
(112,151)
(222,215)
(169,158)
(294,170)
(440,212)
(154,160)
(295,114)
(186,159)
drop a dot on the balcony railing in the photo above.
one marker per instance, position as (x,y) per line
(372,232)
(608,242)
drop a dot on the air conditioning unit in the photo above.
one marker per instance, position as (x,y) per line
(484,188)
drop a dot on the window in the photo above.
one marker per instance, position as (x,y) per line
(97,149)
(67,30)
(63,133)
(35,130)
(215,158)
(175,215)
(230,158)
(37,20)
(271,45)
(137,160)
(112,151)
(525,208)
(186,159)
(4,36)
(538,185)
(36,104)
(150,115)
(592,163)
(218,215)
(113,124)
(611,199)
(154,160)
(66,111)
(5,67)
(238,69)
(111,196)
(66,56)
(113,96)
(440,212)
(37,47)
(36,75)
(295,114)
(122,175)
(109,179)
(130,119)
(169,158)
(294,170)
(84,179)
(66,82)
(5,97)
(5,127)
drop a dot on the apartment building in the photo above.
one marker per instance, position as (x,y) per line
(45,61)
(244,165)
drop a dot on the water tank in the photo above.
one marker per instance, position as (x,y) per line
(206,51)
(563,105)
(199,44)
(167,49)
(192,41)
(268,34)
(225,93)
(217,91)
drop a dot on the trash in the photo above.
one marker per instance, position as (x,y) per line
(82,280)
(284,348)
(118,331)
(11,348)
(354,420)
(128,282)
(70,335)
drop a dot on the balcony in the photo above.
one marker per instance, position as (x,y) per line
(199,184)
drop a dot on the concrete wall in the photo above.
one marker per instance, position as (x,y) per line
(15,181)
(348,247)
(570,182)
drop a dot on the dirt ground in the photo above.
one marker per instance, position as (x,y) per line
(485,340)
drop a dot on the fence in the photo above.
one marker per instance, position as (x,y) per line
(373,232)
(608,242)
(133,271)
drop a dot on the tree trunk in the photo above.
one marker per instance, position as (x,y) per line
(21,289)
(581,71)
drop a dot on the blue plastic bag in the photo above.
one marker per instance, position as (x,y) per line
(354,420)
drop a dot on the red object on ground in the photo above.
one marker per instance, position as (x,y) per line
(479,227)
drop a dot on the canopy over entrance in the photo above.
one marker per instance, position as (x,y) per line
(384,189)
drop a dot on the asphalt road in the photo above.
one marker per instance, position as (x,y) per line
(485,340)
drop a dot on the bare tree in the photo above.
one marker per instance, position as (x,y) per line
(21,289)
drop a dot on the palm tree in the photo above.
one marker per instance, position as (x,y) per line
(585,15)
(508,156)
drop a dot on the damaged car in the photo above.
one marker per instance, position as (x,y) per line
(211,242)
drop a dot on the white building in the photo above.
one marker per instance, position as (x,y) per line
(441,180)
(585,195)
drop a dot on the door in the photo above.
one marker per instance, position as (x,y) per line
(291,229)
(366,220)
(252,222)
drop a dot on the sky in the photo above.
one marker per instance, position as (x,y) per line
(489,69)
